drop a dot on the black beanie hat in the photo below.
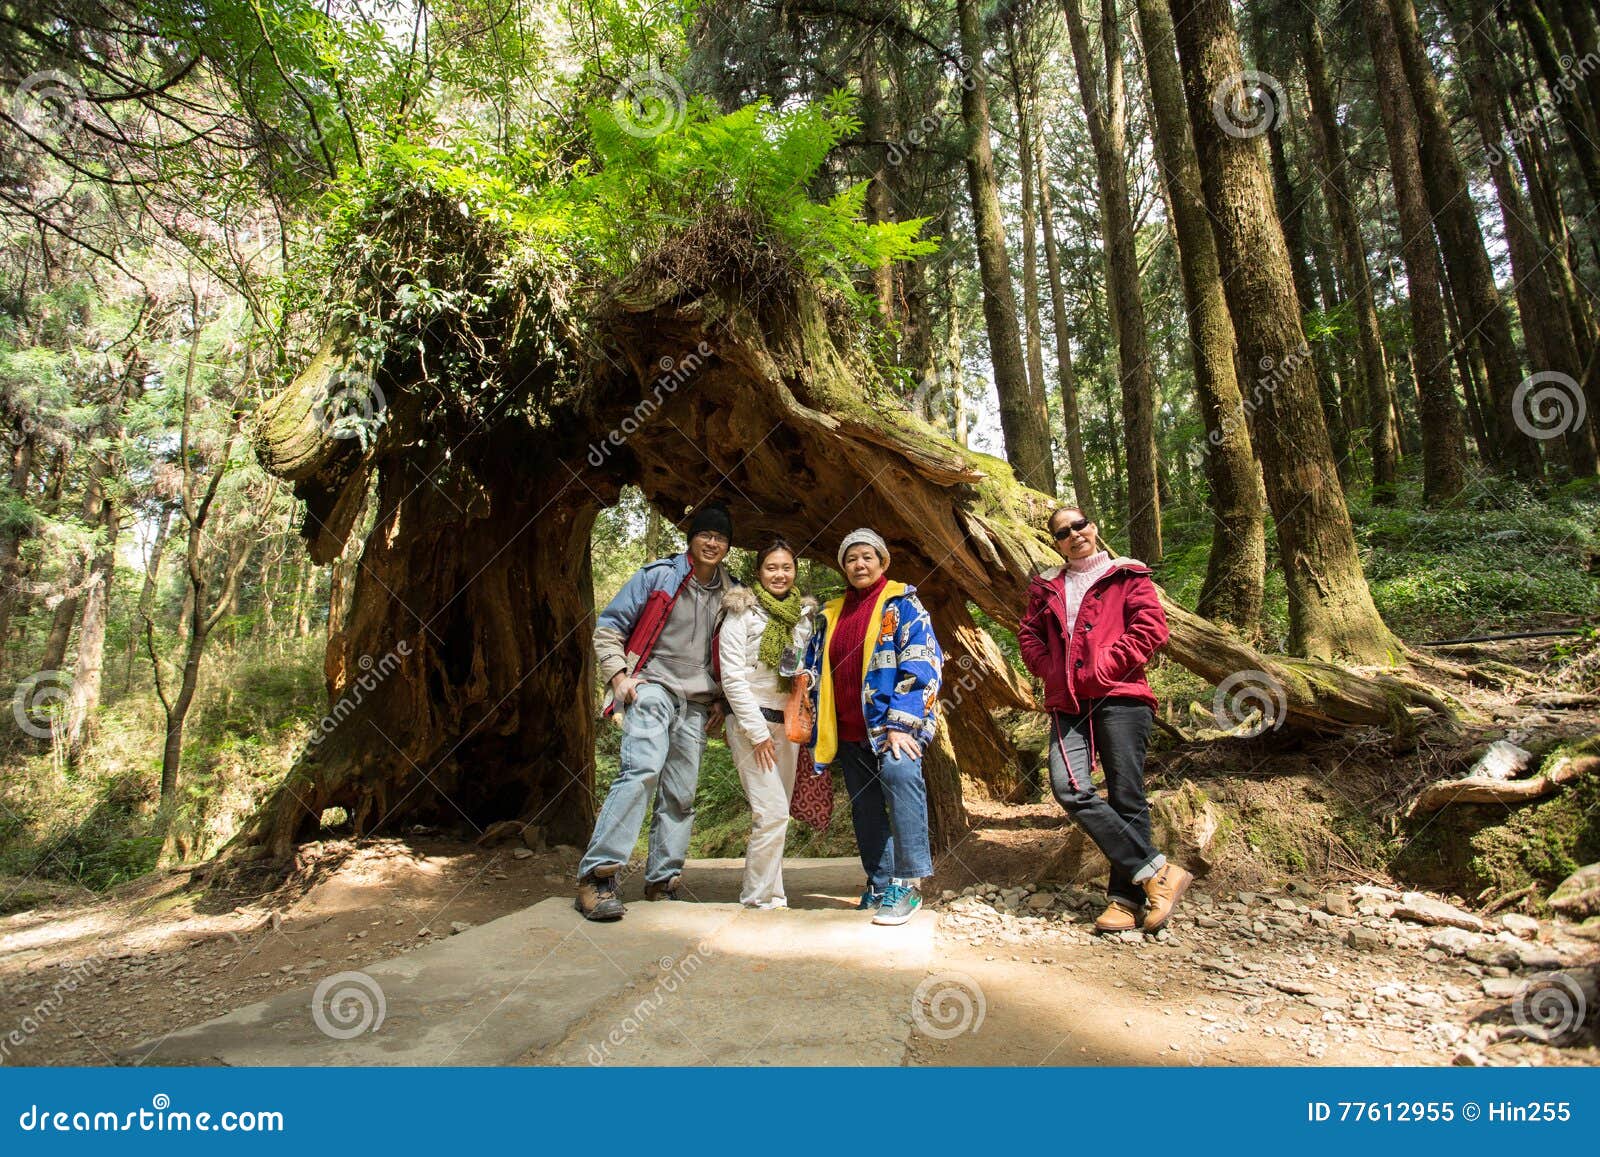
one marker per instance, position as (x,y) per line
(712,516)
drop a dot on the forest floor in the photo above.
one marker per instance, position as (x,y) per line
(1298,947)
(1270,976)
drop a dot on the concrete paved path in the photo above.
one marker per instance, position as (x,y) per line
(698,983)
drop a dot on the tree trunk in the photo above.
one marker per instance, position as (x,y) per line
(1022,98)
(1235,569)
(1107,115)
(1461,241)
(147,592)
(1339,196)
(1546,323)
(84,698)
(1444,472)
(1024,425)
(1582,132)
(1331,612)
(11,535)
(1066,376)
(1292,218)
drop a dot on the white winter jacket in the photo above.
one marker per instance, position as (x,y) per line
(748,684)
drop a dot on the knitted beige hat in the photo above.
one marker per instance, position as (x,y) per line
(864,535)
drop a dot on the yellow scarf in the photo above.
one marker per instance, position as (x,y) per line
(827,716)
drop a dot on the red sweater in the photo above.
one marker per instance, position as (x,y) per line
(845,649)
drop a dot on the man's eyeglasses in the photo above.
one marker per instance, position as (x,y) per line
(1072,527)
(712,538)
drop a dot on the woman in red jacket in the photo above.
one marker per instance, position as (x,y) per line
(1090,627)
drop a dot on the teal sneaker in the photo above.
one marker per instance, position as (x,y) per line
(869,900)
(900,902)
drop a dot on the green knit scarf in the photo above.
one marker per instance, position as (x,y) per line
(782,615)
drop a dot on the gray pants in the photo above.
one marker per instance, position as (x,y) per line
(663,737)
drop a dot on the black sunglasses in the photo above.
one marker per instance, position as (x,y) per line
(1072,527)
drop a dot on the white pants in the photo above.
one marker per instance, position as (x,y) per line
(768,793)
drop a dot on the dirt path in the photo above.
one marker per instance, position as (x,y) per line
(1010,978)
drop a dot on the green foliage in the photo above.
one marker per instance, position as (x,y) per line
(1507,559)
(637,190)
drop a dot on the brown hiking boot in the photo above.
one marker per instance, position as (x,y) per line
(1117,917)
(1162,892)
(666,890)
(597,894)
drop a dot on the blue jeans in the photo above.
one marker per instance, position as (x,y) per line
(663,738)
(1118,730)
(889,809)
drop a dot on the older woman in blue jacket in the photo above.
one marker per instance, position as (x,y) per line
(874,668)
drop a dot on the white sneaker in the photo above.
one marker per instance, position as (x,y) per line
(769,905)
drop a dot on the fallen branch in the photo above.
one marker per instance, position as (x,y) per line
(1481,789)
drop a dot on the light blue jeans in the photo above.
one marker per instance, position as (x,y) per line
(663,737)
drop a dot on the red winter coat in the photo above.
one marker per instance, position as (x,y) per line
(1119,627)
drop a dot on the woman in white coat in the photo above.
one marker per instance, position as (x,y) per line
(758,626)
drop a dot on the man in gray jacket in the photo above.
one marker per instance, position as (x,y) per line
(653,645)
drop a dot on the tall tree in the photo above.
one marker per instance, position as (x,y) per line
(1339,196)
(1235,569)
(1066,376)
(1466,260)
(1331,612)
(1546,321)
(1021,421)
(1107,114)
(1444,471)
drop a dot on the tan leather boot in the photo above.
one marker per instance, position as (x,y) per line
(1162,893)
(1117,917)
(597,894)
(670,889)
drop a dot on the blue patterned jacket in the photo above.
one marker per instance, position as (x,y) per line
(900,677)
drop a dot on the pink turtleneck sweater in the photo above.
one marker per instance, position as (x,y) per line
(1076,577)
